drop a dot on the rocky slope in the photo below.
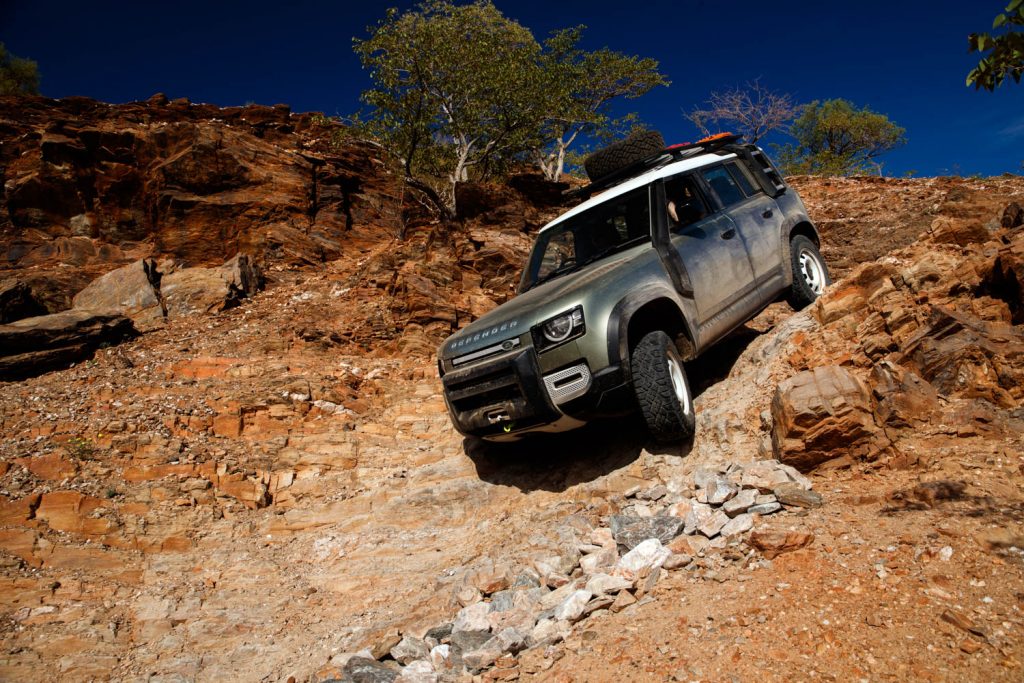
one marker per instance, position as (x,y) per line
(273,491)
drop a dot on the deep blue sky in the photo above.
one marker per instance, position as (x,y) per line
(905,59)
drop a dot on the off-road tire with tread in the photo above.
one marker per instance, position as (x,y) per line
(804,257)
(669,416)
(617,155)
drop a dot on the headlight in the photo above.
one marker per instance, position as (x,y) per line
(561,328)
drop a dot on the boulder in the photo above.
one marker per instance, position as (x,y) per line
(17,301)
(821,414)
(192,291)
(32,346)
(132,291)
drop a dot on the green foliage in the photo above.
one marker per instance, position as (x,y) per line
(17,76)
(836,138)
(1005,58)
(455,87)
(462,91)
(579,87)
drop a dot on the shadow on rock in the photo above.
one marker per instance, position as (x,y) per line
(716,363)
(554,462)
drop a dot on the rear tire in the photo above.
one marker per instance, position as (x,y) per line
(620,154)
(810,274)
(661,388)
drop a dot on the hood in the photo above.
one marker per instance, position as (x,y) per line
(516,316)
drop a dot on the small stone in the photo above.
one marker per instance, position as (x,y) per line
(368,670)
(467,641)
(738,525)
(720,490)
(689,545)
(654,493)
(622,600)
(549,632)
(763,475)
(602,537)
(702,476)
(502,601)
(409,649)
(572,608)
(441,658)
(556,597)
(714,524)
(420,671)
(647,585)
(601,584)
(526,579)
(970,646)
(596,562)
(699,513)
(765,509)
(774,543)
(511,640)
(467,595)
(874,620)
(680,509)
(598,603)
(676,561)
(741,502)
(642,559)
(439,633)
(765,498)
(482,657)
(556,580)
(472,618)
(630,531)
(384,644)
(793,495)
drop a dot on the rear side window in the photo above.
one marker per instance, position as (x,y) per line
(724,185)
(742,177)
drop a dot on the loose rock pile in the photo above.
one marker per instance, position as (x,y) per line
(698,523)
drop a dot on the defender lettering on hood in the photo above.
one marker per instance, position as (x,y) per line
(467,343)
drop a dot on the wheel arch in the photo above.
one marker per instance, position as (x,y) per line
(639,314)
(802,226)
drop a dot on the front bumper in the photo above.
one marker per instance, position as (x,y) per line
(499,397)
(505,397)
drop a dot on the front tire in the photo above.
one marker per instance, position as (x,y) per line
(810,274)
(661,388)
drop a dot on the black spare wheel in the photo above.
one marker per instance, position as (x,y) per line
(638,146)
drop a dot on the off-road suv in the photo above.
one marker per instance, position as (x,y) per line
(682,245)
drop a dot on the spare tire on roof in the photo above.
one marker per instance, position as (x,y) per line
(618,155)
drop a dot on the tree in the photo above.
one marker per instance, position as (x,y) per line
(455,87)
(1005,56)
(752,111)
(836,138)
(579,88)
(17,76)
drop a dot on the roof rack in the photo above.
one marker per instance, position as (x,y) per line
(670,153)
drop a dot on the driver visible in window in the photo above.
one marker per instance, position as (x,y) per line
(684,205)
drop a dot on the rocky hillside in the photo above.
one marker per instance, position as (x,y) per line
(264,485)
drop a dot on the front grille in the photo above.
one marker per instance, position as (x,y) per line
(485,390)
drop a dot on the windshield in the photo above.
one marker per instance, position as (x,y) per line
(589,236)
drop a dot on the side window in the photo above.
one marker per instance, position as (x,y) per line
(724,185)
(684,202)
(742,176)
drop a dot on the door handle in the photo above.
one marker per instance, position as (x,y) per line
(728,234)
(767,213)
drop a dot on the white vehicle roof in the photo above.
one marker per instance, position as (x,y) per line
(673,168)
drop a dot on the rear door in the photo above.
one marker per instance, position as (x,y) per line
(713,255)
(758,219)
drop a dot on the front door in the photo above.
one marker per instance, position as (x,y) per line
(714,256)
